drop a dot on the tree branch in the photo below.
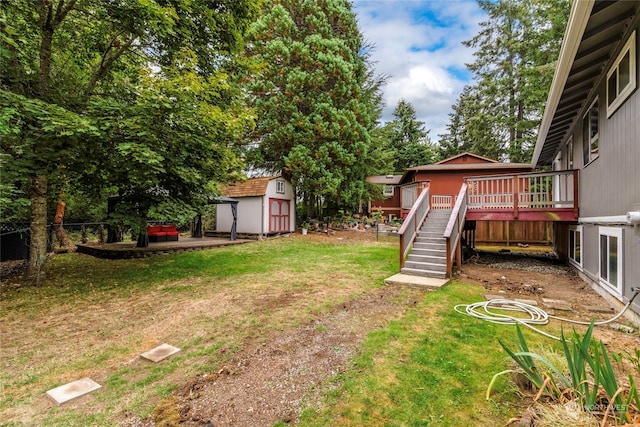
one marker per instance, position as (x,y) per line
(62,11)
(105,63)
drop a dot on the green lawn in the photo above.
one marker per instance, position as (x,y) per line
(429,368)
(92,317)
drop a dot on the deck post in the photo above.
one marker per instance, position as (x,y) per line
(449,260)
(516,196)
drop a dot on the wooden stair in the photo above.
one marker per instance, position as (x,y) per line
(428,256)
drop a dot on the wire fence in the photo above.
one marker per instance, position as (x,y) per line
(15,237)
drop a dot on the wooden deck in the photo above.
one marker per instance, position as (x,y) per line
(125,250)
(547,196)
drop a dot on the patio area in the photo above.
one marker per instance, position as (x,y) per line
(124,250)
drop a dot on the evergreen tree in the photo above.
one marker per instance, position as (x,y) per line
(514,64)
(408,139)
(315,100)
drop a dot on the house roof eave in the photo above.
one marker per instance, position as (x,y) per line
(595,33)
(578,19)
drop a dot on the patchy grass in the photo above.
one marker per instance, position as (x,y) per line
(431,367)
(93,317)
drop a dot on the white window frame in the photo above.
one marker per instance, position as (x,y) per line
(570,153)
(576,230)
(388,190)
(623,93)
(589,139)
(615,288)
(280,186)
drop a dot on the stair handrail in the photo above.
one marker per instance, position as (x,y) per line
(454,229)
(411,224)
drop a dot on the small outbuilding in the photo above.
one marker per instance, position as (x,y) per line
(266,206)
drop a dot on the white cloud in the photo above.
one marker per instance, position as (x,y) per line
(418,44)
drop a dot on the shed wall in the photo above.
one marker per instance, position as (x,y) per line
(249,216)
(288,194)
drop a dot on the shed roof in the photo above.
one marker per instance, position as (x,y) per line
(252,187)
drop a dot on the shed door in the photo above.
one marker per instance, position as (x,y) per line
(278,215)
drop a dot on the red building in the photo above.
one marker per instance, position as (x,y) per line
(444,179)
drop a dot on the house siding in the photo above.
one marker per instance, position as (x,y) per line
(389,206)
(609,188)
(609,184)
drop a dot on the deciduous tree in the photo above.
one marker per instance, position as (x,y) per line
(65,63)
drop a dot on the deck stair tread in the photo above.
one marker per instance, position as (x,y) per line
(428,257)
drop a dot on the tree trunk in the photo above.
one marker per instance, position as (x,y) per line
(38,240)
(61,236)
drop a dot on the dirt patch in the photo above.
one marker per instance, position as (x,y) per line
(540,276)
(275,377)
(534,278)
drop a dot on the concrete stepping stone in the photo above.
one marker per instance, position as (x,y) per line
(527,301)
(72,390)
(599,308)
(160,353)
(556,304)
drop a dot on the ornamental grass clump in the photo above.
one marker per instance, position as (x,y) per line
(587,379)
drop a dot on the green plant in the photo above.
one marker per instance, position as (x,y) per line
(633,358)
(541,379)
(592,381)
(377,216)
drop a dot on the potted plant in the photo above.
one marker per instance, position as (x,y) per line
(304,227)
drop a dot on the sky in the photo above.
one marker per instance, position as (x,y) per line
(418,45)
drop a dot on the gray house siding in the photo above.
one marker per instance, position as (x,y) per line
(609,185)
(609,188)
(598,56)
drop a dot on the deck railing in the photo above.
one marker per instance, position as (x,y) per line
(440,202)
(453,232)
(412,223)
(408,195)
(524,191)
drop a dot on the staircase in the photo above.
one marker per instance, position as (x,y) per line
(428,257)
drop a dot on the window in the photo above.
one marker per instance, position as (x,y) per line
(575,246)
(590,134)
(621,78)
(570,153)
(280,186)
(611,259)
(388,190)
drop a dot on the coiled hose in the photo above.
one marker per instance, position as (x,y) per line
(533,315)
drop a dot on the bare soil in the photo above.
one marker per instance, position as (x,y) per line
(273,377)
(273,380)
